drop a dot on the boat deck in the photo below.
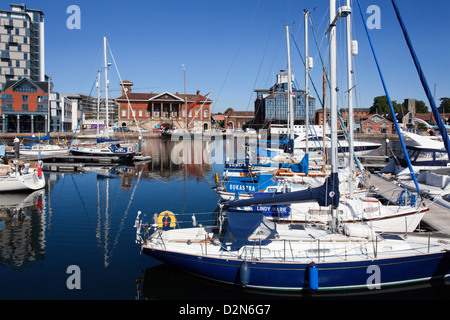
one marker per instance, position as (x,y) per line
(437,218)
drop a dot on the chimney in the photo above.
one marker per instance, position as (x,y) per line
(198,92)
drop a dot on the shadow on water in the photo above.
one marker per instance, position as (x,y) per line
(164,282)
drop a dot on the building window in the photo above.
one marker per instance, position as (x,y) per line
(25,87)
(124,112)
(205,113)
(42,99)
(24,106)
(369,124)
(7,97)
(140,112)
(25,98)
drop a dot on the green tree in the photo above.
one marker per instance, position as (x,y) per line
(381,105)
(445,105)
(228,110)
(421,107)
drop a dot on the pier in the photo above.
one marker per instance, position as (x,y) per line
(437,218)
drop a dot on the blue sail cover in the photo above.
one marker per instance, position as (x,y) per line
(325,195)
(241,224)
(101,140)
(47,137)
(301,167)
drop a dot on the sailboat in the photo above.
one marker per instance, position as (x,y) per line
(39,148)
(110,149)
(20,175)
(248,250)
(402,214)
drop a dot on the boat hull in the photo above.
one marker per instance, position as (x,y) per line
(29,181)
(93,153)
(295,276)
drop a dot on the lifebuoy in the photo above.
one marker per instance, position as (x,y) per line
(164,216)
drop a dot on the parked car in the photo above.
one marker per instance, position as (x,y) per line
(123,130)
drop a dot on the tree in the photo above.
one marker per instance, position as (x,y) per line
(228,110)
(444,107)
(381,105)
(421,107)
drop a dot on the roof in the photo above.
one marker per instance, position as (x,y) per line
(424,116)
(41,85)
(373,117)
(149,96)
(218,117)
(241,114)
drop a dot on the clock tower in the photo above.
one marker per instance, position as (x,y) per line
(126,86)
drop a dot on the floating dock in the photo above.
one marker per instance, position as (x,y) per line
(437,218)
(77,163)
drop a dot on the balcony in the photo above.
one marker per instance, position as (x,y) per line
(4,55)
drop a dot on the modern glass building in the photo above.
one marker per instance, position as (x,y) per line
(271,106)
(21,44)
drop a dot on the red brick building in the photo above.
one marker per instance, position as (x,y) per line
(166,109)
(24,106)
(376,124)
(237,119)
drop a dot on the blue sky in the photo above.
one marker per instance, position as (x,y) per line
(233,47)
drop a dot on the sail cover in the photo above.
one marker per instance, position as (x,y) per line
(244,228)
(327,194)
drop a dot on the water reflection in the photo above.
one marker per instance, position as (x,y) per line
(22,232)
(164,282)
(104,199)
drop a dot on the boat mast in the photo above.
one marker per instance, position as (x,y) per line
(333,92)
(333,99)
(185,97)
(350,100)
(106,84)
(307,64)
(290,108)
(98,101)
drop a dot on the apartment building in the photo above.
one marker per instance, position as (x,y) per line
(21,44)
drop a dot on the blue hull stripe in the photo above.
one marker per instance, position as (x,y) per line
(294,276)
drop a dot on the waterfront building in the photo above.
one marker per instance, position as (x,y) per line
(376,123)
(21,44)
(238,120)
(24,106)
(86,107)
(153,110)
(61,113)
(271,106)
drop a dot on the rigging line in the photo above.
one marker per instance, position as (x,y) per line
(122,222)
(236,53)
(95,63)
(423,80)
(320,100)
(126,94)
(264,54)
(78,124)
(389,100)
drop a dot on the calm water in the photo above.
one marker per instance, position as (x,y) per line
(86,220)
